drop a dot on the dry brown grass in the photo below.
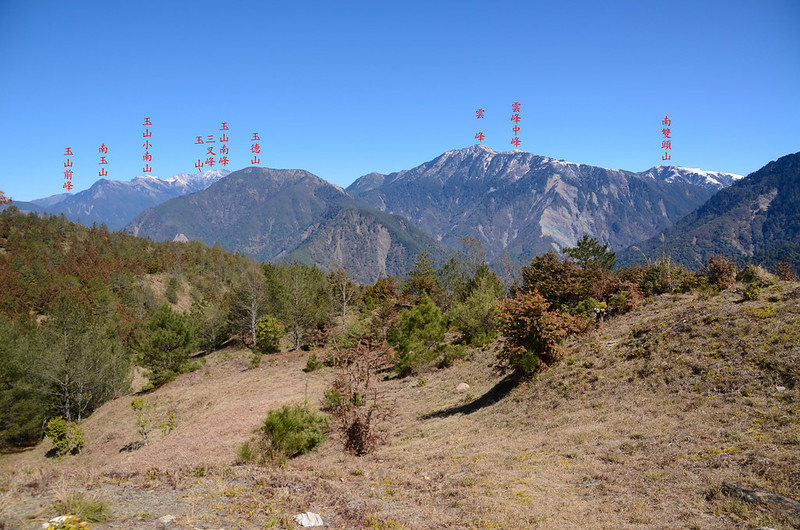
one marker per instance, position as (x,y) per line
(636,428)
(158,284)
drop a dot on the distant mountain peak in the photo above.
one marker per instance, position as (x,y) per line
(116,202)
(51,200)
(481,148)
(753,219)
(528,203)
(473,150)
(204,176)
(715,180)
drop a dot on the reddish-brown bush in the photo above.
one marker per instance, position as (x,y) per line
(785,271)
(532,333)
(559,282)
(720,271)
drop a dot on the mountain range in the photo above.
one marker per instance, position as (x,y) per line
(527,204)
(116,202)
(755,219)
(274,214)
(516,202)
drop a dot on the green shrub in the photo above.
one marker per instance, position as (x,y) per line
(167,340)
(144,409)
(585,308)
(288,432)
(168,424)
(477,316)
(255,361)
(67,437)
(666,276)
(408,363)
(147,418)
(450,353)
(312,363)
(246,454)
(751,292)
(269,331)
(79,505)
(753,274)
(172,290)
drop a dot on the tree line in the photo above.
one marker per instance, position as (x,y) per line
(80,307)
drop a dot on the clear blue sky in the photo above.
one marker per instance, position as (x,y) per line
(345,88)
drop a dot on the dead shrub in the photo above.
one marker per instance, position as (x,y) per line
(353,400)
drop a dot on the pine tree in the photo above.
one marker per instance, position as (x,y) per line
(168,339)
(419,336)
(422,278)
(81,359)
(23,395)
(589,253)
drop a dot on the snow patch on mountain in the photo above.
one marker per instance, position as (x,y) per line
(116,202)
(715,180)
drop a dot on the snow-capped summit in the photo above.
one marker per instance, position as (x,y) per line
(116,202)
(480,147)
(198,180)
(528,204)
(714,180)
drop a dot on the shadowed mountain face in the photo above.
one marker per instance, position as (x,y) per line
(257,211)
(528,204)
(756,219)
(275,214)
(367,243)
(116,202)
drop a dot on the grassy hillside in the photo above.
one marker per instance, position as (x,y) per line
(637,427)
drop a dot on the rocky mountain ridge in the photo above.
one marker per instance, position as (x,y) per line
(754,219)
(527,204)
(117,202)
(275,214)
